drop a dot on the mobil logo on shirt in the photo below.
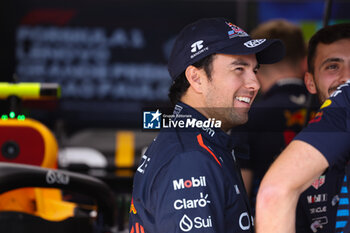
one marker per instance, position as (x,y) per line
(317,198)
(193,182)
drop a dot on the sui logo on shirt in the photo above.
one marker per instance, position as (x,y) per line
(151,119)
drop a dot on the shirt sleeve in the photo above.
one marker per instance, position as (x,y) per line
(329,130)
(189,195)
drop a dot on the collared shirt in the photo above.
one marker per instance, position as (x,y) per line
(188,182)
(329,131)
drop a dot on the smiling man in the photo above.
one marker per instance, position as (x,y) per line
(323,144)
(329,68)
(188,180)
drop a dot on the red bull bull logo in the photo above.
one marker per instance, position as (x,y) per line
(132,207)
(236,31)
(317,117)
(295,118)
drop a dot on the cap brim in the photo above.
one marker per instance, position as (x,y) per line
(269,52)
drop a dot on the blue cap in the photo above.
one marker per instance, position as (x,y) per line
(218,35)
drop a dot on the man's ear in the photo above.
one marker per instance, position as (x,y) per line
(195,78)
(310,83)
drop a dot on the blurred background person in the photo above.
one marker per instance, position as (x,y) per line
(280,111)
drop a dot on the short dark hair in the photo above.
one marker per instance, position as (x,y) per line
(181,84)
(290,34)
(326,35)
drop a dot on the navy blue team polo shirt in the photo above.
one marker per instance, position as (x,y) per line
(329,131)
(188,181)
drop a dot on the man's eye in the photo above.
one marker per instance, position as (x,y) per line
(332,67)
(239,69)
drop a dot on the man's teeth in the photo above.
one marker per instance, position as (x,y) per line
(243,99)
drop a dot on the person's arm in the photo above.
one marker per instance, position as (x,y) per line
(292,172)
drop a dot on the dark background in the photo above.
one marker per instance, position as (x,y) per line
(110,56)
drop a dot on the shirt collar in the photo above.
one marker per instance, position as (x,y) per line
(212,134)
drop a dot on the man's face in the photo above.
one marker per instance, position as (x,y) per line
(232,89)
(332,68)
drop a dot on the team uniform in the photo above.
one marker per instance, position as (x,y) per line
(329,132)
(188,181)
(317,206)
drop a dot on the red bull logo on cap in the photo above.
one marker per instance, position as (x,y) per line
(236,31)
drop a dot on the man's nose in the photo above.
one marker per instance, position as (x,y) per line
(252,83)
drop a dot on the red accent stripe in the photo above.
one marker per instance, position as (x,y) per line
(137,227)
(142,230)
(200,141)
(132,230)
